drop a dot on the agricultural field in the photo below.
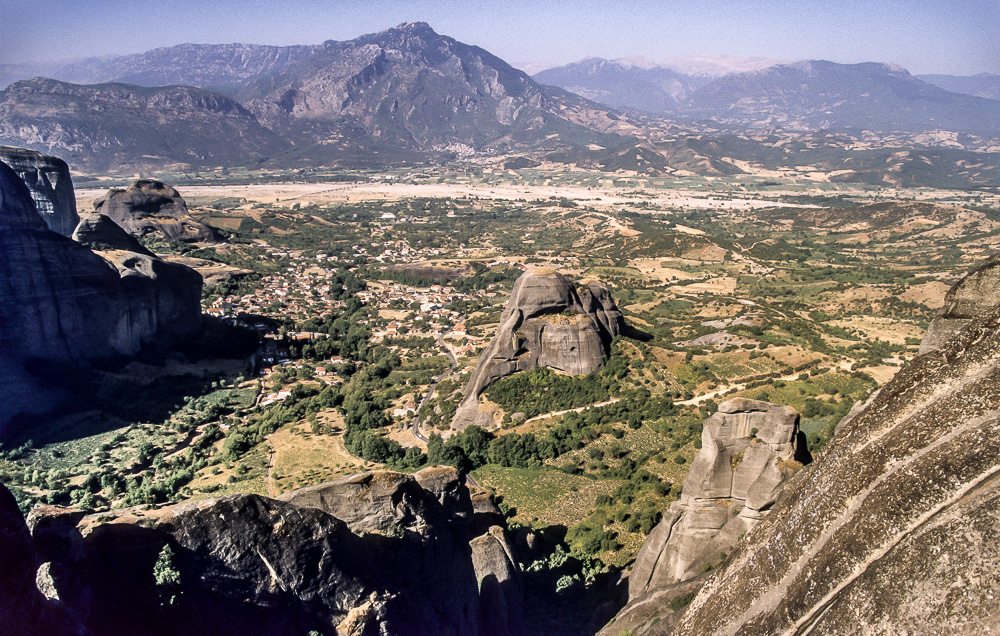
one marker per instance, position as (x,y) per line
(378,291)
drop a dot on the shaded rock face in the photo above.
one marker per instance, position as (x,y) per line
(974,295)
(150,207)
(249,564)
(895,529)
(50,184)
(24,608)
(546,323)
(749,451)
(431,512)
(501,590)
(60,301)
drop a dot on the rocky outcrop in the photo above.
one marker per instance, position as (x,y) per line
(501,591)
(60,301)
(547,322)
(101,234)
(895,529)
(749,451)
(50,184)
(152,208)
(24,608)
(400,562)
(974,295)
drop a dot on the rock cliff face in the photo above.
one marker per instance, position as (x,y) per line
(895,528)
(749,451)
(893,531)
(50,184)
(60,301)
(974,295)
(400,562)
(150,207)
(100,233)
(546,323)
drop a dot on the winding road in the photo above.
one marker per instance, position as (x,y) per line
(430,392)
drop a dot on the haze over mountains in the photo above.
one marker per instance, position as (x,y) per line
(802,95)
(409,94)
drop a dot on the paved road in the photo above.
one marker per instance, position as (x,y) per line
(415,427)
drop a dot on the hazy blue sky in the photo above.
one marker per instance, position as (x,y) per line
(925,36)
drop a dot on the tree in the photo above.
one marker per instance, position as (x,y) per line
(167,576)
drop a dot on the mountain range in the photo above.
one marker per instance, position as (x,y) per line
(806,95)
(409,94)
(401,94)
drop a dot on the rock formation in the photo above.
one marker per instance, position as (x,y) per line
(749,450)
(895,528)
(150,207)
(893,531)
(974,295)
(50,184)
(60,301)
(547,323)
(24,608)
(399,562)
(100,233)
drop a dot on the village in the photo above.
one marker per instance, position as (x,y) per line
(310,289)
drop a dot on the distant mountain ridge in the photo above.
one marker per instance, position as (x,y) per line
(389,96)
(805,95)
(411,87)
(982,85)
(410,95)
(202,65)
(624,84)
(104,126)
(821,94)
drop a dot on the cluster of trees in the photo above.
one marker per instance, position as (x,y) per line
(542,390)
(597,532)
(475,447)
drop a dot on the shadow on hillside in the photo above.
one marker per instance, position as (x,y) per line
(636,334)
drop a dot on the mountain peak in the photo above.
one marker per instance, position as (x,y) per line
(420,28)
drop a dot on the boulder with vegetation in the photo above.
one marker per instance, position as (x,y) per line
(749,451)
(548,322)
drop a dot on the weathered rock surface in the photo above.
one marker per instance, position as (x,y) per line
(249,564)
(974,295)
(895,530)
(547,322)
(100,233)
(500,588)
(50,184)
(749,451)
(24,609)
(60,301)
(150,207)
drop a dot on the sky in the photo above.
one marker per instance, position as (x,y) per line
(960,37)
